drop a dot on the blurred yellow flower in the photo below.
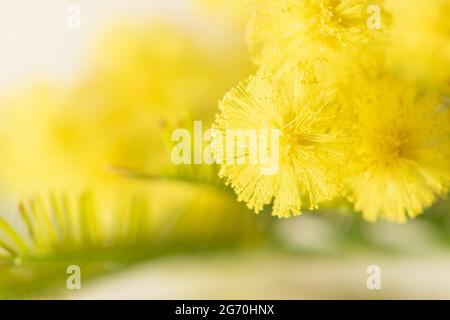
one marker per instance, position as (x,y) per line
(141,81)
(307,29)
(403,154)
(314,127)
(420,42)
(235,11)
(40,142)
(61,142)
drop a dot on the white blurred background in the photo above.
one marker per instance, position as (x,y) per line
(36,42)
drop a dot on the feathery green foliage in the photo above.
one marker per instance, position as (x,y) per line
(54,232)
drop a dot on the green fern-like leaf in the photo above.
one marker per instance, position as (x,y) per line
(55,232)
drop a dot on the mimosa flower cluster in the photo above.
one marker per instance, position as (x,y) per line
(360,93)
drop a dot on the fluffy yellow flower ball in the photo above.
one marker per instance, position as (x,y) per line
(402,158)
(314,132)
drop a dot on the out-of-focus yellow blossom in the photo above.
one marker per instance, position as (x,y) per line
(403,153)
(282,30)
(49,145)
(314,128)
(160,68)
(142,81)
(420,42)
(40,142)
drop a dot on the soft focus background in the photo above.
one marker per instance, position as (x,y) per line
(86,178)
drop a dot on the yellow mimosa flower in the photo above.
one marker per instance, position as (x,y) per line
(403,155)
(308,29)
(313,126)
(140,81)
